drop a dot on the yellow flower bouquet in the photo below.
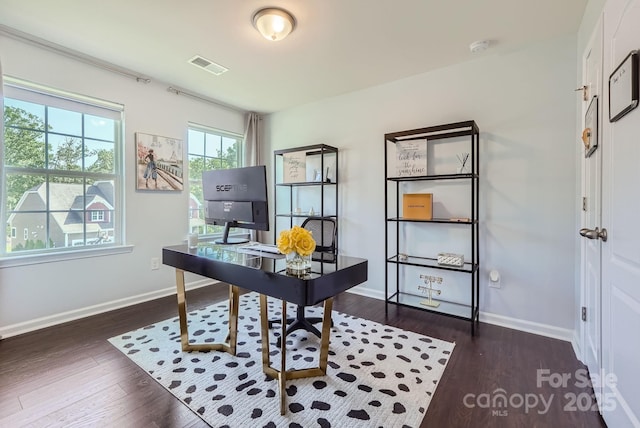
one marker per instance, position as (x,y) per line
(298,245)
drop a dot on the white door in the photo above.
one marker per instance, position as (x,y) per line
(591,249)
(620,215)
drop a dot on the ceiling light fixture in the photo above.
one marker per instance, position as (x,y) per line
(274,23)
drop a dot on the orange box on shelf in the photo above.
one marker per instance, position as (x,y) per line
(417,206)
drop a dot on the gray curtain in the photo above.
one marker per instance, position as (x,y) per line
(252,139)
(252,146)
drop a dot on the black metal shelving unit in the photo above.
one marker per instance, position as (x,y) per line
(286,211)
(468,310)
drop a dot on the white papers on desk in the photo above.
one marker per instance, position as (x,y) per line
(263,250)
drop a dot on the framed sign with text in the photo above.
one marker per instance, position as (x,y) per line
(295,167)
(623,87)
(411,158)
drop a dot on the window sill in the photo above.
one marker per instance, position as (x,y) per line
(34,259)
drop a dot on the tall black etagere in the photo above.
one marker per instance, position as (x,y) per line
(394,188)
(326,189)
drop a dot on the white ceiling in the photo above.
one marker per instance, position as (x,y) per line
(338,46)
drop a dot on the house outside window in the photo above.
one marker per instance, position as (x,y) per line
(61,169)
(209,149)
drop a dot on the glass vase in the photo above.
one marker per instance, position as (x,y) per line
(298,265)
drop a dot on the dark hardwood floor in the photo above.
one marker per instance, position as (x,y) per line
(69,375)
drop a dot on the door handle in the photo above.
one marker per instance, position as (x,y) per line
(585,92)
(594,233)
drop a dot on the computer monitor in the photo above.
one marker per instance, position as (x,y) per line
(236,197)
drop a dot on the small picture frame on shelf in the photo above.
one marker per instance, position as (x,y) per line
(411,158)
(295,167)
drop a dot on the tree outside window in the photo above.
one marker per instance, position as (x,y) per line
(59,164)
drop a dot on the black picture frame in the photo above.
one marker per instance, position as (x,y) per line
(591,128)
(623,87)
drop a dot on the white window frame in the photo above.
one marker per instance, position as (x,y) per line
(26,91)
(209,231)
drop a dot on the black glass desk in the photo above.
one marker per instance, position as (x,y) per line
(267,277)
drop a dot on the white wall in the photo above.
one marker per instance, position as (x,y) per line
(34,295)
(525,107)
(522,101)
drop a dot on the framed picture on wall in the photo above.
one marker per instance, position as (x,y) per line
(623,87)
(159,163)
(590,133)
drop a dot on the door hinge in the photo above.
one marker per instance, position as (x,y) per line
(584,313)
(584,203)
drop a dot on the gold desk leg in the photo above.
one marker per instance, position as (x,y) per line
(264,327)
(283,374)
(326,332)
(279,375)
(234,310)
(234,298)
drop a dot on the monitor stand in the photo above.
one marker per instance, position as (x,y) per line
(225,236)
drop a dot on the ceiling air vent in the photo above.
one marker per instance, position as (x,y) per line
(210,66)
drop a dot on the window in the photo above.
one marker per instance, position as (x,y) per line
(208,149)
(60,156)
(13,232)
(97,215)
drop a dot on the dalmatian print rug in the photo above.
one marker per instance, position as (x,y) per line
(377,375)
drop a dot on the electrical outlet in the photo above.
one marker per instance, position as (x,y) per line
(155,263)
(494,279)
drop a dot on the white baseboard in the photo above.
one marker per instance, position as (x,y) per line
(39,323)
(500,320)
(48,321)
(528,326)
(575,343)
(361,290)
